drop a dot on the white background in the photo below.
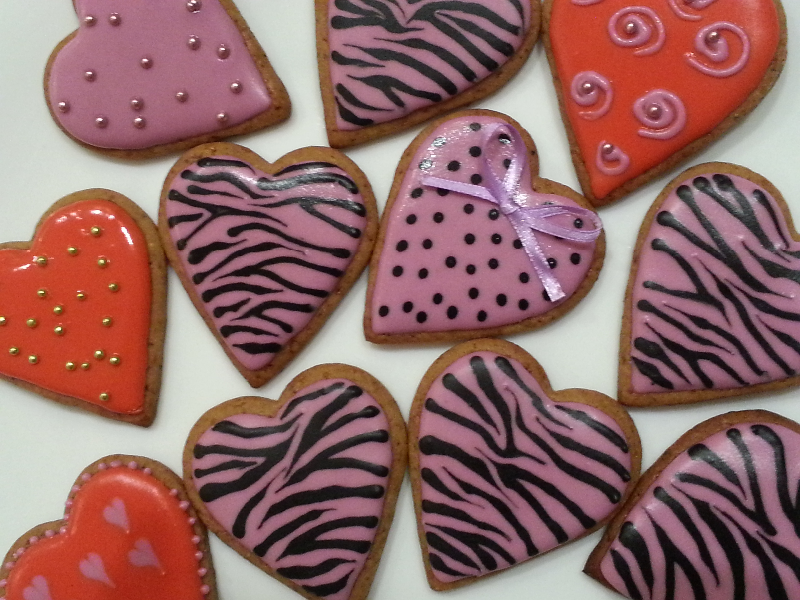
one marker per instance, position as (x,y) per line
(44,446)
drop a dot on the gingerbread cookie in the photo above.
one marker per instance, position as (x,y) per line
(473,243)
(305,487)
(266,251)
(83,307)
(128,533)
(715,517)
(644,85)
(386,66)
(712,306)
(145,79)
(503,468)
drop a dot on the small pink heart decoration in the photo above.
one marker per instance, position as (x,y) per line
(92,568)
(116,514)
(143,555)
(38,590)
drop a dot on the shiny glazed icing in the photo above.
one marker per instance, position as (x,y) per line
(285,486)
(451,261)
(719,522)
(648,45)
(714,301)
(506,472)
(127,537)
(153,73)
(389,59)
(263,251)
(75,307)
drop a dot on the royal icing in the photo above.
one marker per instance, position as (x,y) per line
(469,244)
(719,522)
(388,59)
(714,298)
(304,490)
(506,472)
(138,74)
(262,251)
(75,307)
(127,536)
(702,60)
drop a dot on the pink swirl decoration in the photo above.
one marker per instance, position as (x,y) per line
(677,8)
(641,29)
(610,160)
(712,44)
(662,113)
(590,89)
(585,2)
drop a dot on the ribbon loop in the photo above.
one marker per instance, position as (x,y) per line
(526,220)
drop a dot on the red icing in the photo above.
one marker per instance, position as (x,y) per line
(581,42)
(30,290)
(127,538)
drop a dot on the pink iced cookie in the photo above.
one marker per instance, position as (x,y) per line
(503,468)
(473,243)
(266,251)
(714,518)
(138,79)
(304,487)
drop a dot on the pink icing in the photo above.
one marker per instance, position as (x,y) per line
(282,244)
(491,281)
(718,51)
(610,159)
(330,435)
(131,59)
(389,58)
(662,113)
(714,486)
(506,472)
(715,307)
(592,89)
(640,28)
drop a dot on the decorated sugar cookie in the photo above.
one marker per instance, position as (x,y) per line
(128,533)
(644,85)
(82,307)
(715,517)
(305,487)
(266,251)
(388,65)
(712,303)
(503,468)
(473,243)
(139,79)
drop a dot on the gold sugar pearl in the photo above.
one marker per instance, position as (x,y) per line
(42,293)
(72,251)
(13,351)
(81,296)
(3,321)
(70,366)
(104,397)
(85,366)
(96,231)
(41,261)
(114,287)
(33,359)
(107,322)
(58,309)
(102,262)
(99,354)
(59,330)
(31,323)
(115,360)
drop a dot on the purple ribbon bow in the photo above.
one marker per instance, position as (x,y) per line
(506,194)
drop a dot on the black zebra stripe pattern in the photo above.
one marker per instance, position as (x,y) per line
(507,473)
(714,305)
(719,522)
(262,252)
(303,491)
(389,58)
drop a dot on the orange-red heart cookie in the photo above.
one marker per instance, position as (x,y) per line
(643,85)
(82,307)
(128,533)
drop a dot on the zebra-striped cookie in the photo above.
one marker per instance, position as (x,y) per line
(503,468)
(305,487)
(712,303)
(266,251)
(387,65)
(716,517)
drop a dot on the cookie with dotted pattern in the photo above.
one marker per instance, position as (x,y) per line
(473,243)
(83,307)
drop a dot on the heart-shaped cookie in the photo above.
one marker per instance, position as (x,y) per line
(715,517)
(473,243)
(305,487)
(128,533)
(503,468)
(139,79)
(643,85)
(266,251)
(388,65)
(82,307)
(712,307)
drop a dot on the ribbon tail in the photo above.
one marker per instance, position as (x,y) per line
(537,257)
